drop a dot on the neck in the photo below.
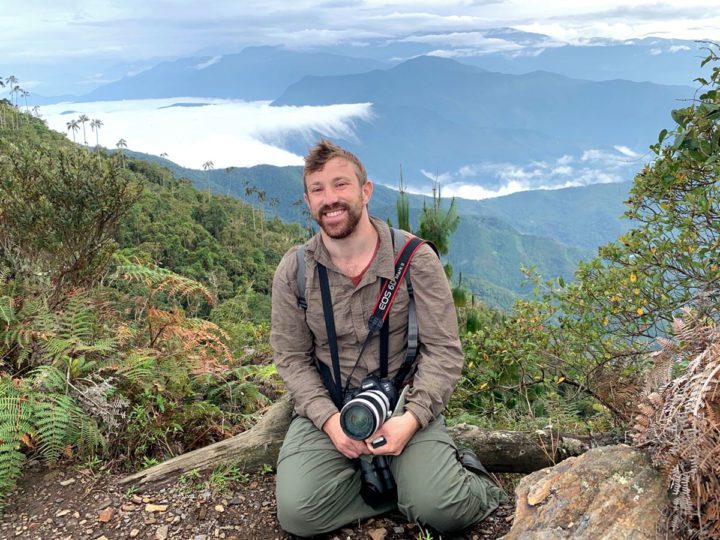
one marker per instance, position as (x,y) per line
(357,245)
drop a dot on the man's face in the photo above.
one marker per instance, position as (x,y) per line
(335,197)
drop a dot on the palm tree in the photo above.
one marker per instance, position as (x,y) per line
(84,118)
(208,165)
(95,125)
(122,143)
(12,81)
(25,94)
(73,126)
(36,111)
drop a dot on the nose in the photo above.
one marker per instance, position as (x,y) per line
(331,196)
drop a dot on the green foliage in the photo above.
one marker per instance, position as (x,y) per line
(437,224)
(59,209)
(34,413)
(113,349)
(403,207)
(592,335)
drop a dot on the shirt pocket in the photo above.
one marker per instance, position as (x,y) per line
(341,316)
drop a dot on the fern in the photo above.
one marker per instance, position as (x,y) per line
(16,412)
(159,279)
(7,312)
(55,428)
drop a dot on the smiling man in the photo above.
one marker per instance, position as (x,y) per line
(328,475)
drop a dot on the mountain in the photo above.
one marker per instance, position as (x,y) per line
(585,217)
(255,73)
(507,50)
(435,113)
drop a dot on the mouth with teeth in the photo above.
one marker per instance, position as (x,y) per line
(333,213)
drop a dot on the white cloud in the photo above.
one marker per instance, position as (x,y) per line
(213,60)
(488,180)
(678,48)
(226,132)
(625,151)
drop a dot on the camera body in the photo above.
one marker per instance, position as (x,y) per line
(367,408)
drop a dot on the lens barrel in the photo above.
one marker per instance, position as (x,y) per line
(364,414)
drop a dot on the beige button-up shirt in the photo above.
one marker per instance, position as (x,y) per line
(299,337)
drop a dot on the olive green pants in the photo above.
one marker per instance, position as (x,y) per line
(318,489)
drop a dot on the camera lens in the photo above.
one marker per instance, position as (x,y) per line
(364,414)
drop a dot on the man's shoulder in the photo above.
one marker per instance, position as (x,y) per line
(287,267)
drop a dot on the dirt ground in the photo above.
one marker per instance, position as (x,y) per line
(77,504)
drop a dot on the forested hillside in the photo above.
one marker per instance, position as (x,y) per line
(134,308)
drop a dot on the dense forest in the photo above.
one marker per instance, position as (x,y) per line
(134,308)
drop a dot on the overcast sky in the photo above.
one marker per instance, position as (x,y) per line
(44,31)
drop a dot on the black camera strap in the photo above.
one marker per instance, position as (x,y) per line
(378,322)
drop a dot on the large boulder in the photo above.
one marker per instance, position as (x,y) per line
(611,492)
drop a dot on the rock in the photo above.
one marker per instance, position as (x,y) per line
(219,508)
(162,532)
(155,507)
(134,533)
(67,482)
(106,515)
(610,493)
(61,513)
(378,534)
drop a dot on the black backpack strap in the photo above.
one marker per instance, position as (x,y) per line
(333,384)
(300,254)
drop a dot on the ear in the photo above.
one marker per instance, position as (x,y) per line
(307,201)
(367,191)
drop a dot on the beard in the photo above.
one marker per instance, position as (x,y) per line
(338,231)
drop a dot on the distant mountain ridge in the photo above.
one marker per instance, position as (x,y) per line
(255,73)
(439,114)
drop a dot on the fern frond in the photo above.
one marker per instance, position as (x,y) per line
(48,378)
(7,312)
(89,437)
(55,428)
(11,461)
(137,368)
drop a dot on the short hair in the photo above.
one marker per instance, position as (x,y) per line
(324,151)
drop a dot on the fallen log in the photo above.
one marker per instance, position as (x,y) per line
(500,451)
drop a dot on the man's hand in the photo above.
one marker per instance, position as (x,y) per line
(348,447)
(397,431)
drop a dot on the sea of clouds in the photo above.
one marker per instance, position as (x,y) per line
(193,131)
(232,133)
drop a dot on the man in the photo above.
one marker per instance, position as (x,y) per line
(318,481)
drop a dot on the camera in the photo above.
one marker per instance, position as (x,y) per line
(367,408)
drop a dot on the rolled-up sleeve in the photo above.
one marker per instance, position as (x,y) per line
(292,344)
(440,357)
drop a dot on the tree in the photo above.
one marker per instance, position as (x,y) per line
(403,206)
(82,119)
(208,165)
(95,125)
(436,224)
(59,212)
(73,126)
(12,82)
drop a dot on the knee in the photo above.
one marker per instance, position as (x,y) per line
(296,510)
(432,509)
